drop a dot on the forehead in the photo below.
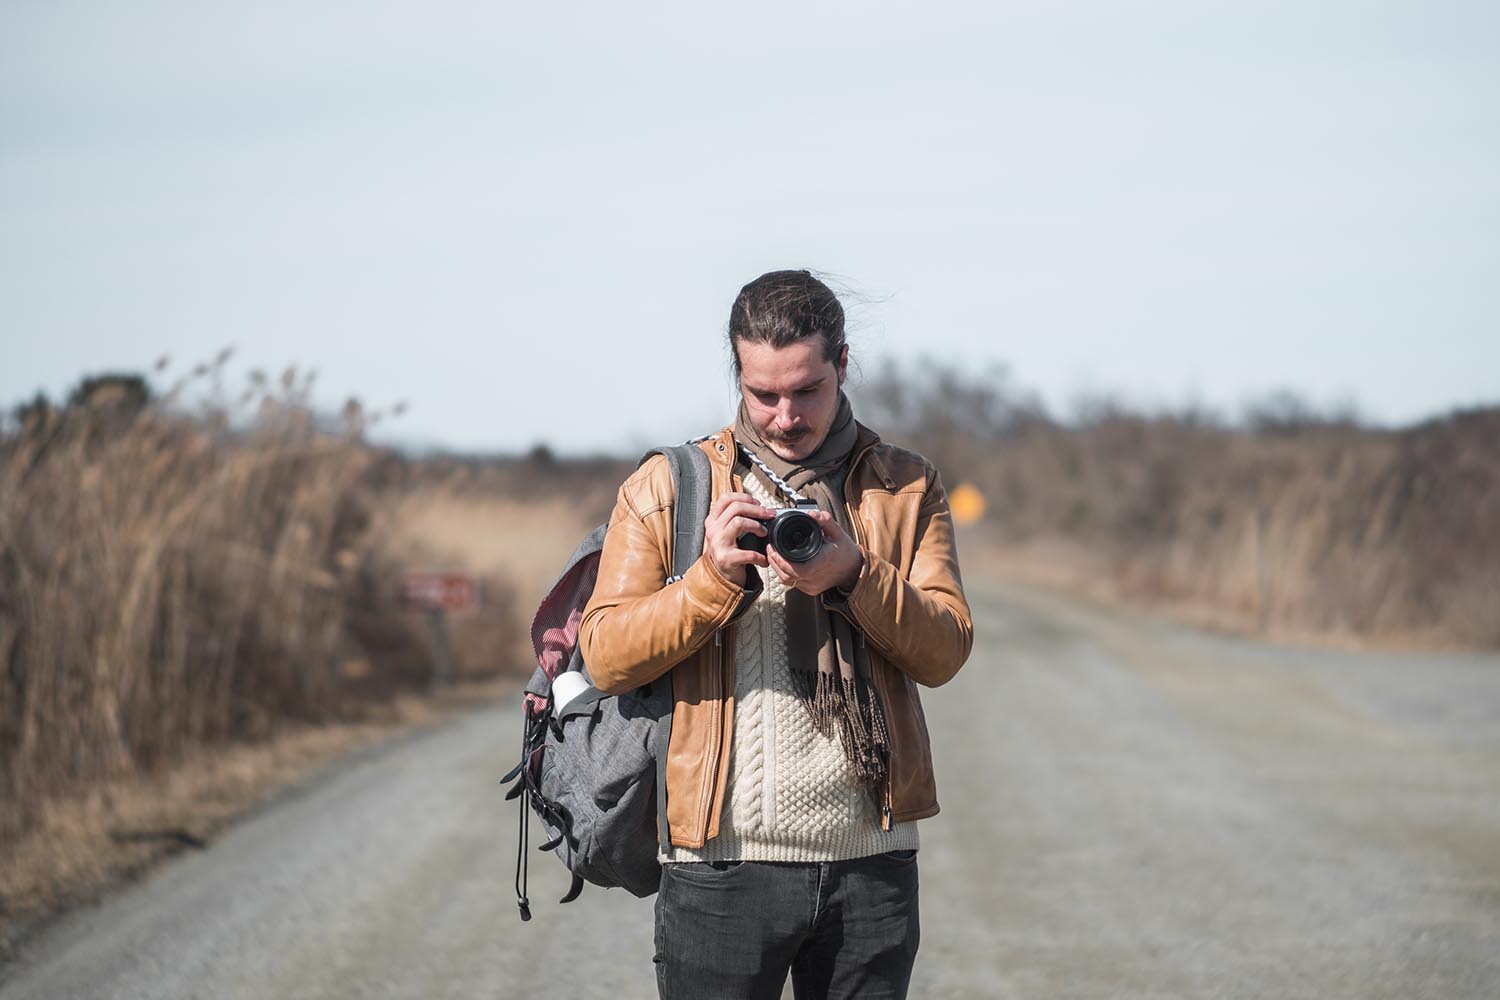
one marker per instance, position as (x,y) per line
(781,369)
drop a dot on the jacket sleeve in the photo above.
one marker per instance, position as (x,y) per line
(921,623)
(636,626)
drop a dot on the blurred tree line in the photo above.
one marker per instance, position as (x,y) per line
(1298,515)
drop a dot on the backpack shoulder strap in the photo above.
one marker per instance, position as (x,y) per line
(691,483)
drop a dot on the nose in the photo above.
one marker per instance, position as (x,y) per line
(786,415)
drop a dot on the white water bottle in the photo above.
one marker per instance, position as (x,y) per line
(568,685)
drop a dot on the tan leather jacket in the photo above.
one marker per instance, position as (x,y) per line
(908,603)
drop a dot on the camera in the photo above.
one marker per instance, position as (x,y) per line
(791,530)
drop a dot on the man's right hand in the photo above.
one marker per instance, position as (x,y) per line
(732,515)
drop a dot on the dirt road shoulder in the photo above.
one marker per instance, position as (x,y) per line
(88,845)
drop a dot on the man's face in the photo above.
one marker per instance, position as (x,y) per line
(791,394)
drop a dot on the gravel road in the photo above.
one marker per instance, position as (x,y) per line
(1131,809)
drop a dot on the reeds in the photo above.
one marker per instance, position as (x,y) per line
(173,577)
(1293,519)
(169,579)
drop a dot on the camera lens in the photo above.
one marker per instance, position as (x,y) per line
(796,536)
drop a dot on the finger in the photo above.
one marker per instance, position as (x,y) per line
(727,533)
(821,516)
(830,525)
(723,500)
(749,507)
(743,557)
(730,513)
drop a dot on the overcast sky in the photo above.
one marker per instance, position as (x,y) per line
(529,221)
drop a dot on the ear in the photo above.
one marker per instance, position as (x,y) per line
(843,364)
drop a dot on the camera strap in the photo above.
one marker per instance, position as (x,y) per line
(796,498)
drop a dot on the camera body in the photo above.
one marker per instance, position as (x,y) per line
(791,530)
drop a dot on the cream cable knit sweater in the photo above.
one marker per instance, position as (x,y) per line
(790,795)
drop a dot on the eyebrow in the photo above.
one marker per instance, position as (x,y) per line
(758,391)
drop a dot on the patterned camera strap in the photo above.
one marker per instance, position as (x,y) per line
(777,481)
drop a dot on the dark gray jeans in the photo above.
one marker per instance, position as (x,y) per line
(734,929)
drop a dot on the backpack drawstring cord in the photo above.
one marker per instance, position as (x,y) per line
(523,840)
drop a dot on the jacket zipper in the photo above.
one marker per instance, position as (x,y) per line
(713,778)
(887,797)
(721,696)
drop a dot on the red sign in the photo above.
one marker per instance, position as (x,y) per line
(427,590)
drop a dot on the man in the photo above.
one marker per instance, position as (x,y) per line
(799,758)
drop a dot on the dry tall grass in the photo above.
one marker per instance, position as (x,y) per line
(1295,520)
(171,580)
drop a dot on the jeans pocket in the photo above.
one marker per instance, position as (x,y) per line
(905,857)
(704,871)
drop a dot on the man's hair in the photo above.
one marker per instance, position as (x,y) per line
(781,308)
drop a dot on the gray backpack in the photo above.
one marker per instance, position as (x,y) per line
(593,766)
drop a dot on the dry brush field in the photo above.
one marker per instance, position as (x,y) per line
(184,586)
(1289,522)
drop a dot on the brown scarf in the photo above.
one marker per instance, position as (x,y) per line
(831,669)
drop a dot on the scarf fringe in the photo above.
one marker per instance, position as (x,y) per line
(847,706)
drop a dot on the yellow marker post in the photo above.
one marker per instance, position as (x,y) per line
(967,503)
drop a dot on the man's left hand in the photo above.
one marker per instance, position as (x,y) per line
(837,563)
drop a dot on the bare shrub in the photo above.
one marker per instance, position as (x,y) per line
(170,579)
(1298,518)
